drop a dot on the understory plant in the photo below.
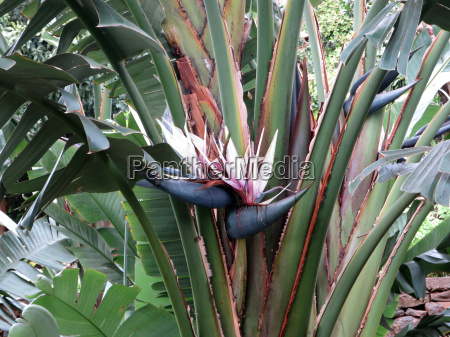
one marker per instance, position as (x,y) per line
(218,204)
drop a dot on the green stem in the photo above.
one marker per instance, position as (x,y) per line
(358,13)
(265,42)
(163,66)
(358,17)
(425,140)
(256,284)
(162,258)
(276,106)
(376,7)
(106,107)
(305,293)
(430,59)
(289,254)
(98,96)
(239,275)
(220,282)
(227,82)
(125,255)
(371,51)
(370,57)
(381,293)
(315,51)
(208,323)
(356,264)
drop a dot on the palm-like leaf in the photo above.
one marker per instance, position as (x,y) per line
(43,246)
(81,317)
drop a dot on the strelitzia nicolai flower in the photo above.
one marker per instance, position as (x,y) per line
(218,160)
(216,170)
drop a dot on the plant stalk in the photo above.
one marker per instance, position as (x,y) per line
(379,297)
(208,323)
(350,274)
(220,281)
(265,43)
(321,218)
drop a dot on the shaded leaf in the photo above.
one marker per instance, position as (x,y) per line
(120,35)
(437,13)
(95,252)
(46,13)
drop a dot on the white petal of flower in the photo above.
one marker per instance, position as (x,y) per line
(177,139)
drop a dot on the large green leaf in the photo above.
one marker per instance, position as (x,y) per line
(436,12)
(376,24)
(28,120)
(431,58)
(32,78)
(83,317)
(69,32)
(155,14)
(412,274)
(10,103)
(34,81)
(34,151)
(379,298)
(387,157)
(79,66)
(94,207)
(149,321)
(8,312)
(422,41)
(82,173)
(8,5)
(119,35)
(28,219)
(152,288)
(296,233)
(438,78)
(230,87)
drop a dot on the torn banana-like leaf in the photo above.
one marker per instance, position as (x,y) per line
(388,156)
